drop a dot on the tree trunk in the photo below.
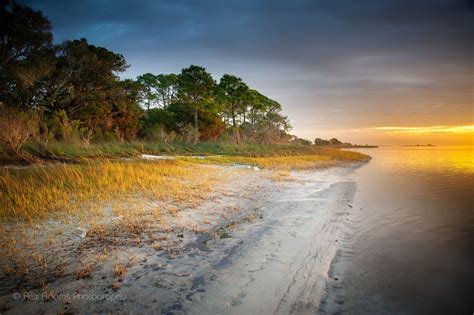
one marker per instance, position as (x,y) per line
(195,117)
(237,139)
(196,124)
(233,119)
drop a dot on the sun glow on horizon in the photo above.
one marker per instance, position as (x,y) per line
(393,135)
(429,129)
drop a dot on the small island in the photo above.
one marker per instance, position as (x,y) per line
(420,145)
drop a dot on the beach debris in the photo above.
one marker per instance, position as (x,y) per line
(117,218)
(224,234)
(173,157)
(83,232)
(157,157)
(256,169)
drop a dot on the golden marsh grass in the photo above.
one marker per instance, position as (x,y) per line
(36,192)
(116,202)
(321,158)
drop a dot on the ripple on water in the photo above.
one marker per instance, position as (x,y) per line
(410,249)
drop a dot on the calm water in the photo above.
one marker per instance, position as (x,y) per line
(410,245)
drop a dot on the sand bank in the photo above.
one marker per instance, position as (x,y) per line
(260,243)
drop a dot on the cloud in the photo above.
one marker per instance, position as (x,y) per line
(354,64)
(468,129)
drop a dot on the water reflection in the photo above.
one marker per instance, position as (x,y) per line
(410,245)
(433,159)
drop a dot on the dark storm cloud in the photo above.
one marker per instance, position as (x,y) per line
(317,57)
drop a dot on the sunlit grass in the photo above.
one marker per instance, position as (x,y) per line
(116,202)
(36,192)
(102,200)
(321,158)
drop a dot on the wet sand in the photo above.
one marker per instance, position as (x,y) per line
(257,245)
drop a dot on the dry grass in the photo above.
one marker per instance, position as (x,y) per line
(321,158)
(84,272)
(115,286)
(36,192)
(120,270)
(137,194)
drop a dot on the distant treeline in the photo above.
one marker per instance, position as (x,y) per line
(72,92)
(336,143)
(333,141)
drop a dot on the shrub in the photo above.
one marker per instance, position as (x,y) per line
(189,134)
(16,128)
(159,134)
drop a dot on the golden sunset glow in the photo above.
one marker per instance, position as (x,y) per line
(459,159)
(431,129)
(406,135)
(236,157)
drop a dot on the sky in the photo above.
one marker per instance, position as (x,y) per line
(375,71)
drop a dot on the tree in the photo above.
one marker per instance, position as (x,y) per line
(25,52)
(256,106)
(125,109)
(73,90)
(158,90)
(232,93)
(333,141)
(319,141)
(195,88)
(263,121)
(167,89)
(180,116)
(84,83)
(148,94)
(84,86)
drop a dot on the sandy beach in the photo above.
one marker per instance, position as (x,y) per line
(236,157)
(259,243)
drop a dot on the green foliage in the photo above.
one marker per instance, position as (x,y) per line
(301,141)
(196,85)
(76,94)
(195,88)
(231,93)
(177,118)
(333,142)
(25,42)
(148,94)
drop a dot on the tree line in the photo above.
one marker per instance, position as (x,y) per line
(73,92)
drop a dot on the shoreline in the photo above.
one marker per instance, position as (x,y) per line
(77,153)
(184,263)
(285,269)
